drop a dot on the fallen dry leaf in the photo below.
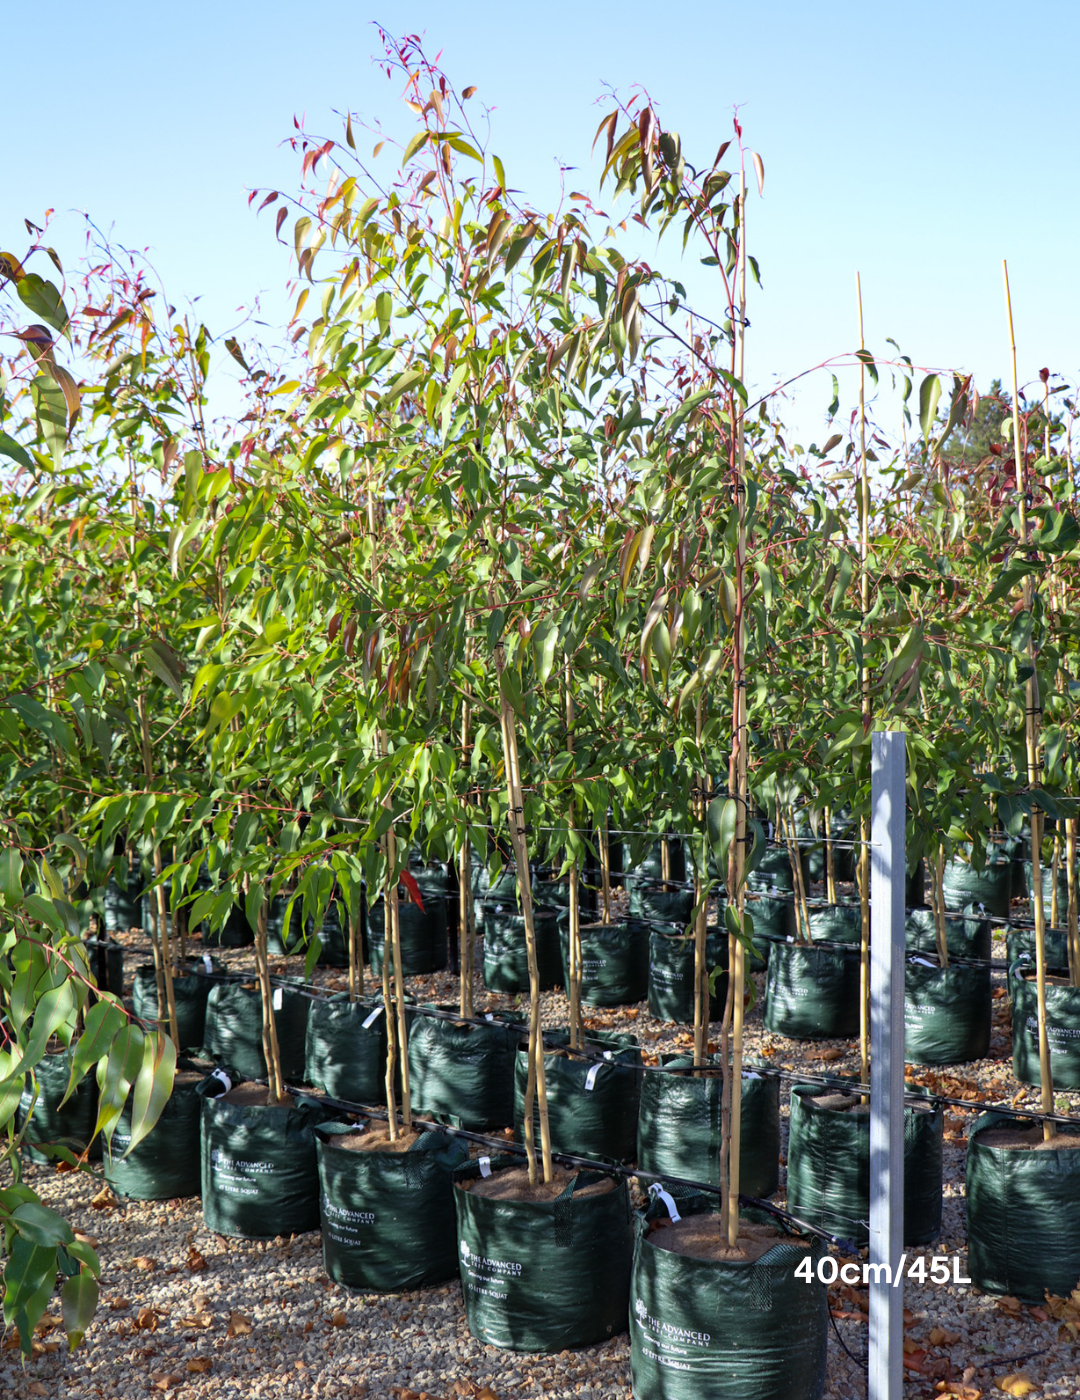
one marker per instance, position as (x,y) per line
(959,1389)
(339,1319)
(91,1240)
(940,1338)
(1009,1305)
(166,1381)
(486,1394)
(144,1264)
(195,1261)
(200,1319)
(199,1365)
(147,1320)
(48,1324)
(104,1200)
(1016,1384)
(239,1325)
(119,1304)
(36,1388)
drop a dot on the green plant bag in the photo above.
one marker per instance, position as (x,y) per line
(334,936)
(345,1049)
(501,890)
(70,1126)
(461,1072)
(235,932)
(770,916)
(165,1164)
(614,963)
(284,941)
(1062,1028)
(641,859)
(829,923)
(122,906)
(967,935)
(260,1177)
(661,904)
(991,887)
(388,1220)
(671,975)
(703,1329)
(506,963)
(1023,1215)
(434,885)
(828,1173)
(1026,887)
(773,874)
(1020,941)
(812,993)
(841,829)
(233,1034)
(421,951)
(947,1012)
(679,1125)
(544,1276)
(592,1103)
(106,960)
(190,995)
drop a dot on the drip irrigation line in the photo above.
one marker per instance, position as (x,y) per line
(864,1362)
(589,1164)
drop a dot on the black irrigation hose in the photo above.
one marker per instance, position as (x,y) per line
(590,1164)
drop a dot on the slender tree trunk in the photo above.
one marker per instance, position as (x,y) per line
(1033,711)
(937,899)
(574,931)
(830,864)
(536,1086)
(271,1049)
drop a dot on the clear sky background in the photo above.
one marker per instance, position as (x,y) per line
(918,144)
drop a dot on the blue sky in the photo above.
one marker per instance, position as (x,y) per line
(918,144)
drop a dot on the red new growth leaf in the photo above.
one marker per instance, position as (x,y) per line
(414,890)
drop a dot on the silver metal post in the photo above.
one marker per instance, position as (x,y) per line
(887,888)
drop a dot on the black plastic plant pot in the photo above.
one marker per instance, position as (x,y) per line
(506,963)
(233,1034)
(421,949)
(190,995)
(70,1126)
(260,1176)
(388,1220)
(829,923)
(462,1072)
(122,906)
(723,1329)
(967,935)
(661,904)
(947,1011)
(1020,942)
(828,1172)
(165,1164)
(547,1275)
(345,1049)
(679,1125)
(1023,1209)
(812,992)
(1062,1027)
(614,962)
(671,975)
(991,887)
(592,1099)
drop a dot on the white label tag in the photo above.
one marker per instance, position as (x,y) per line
(207,962)
(220,1075)
(485,1166)
(278,999)
(609,1054)
(489,1015)
(590,1078)
(371,1019)
(669,1201)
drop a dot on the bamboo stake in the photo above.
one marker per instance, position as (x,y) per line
(356,965)
(1031,730)
(867,712)
(937,900)
(737,867)
(830,863)
(701,934)
(574,931)
(536,1086)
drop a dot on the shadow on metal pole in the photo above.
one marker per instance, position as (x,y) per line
(888,878)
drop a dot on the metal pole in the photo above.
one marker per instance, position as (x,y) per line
(887,885)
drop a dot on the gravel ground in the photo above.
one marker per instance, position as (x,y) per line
(188,1313)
